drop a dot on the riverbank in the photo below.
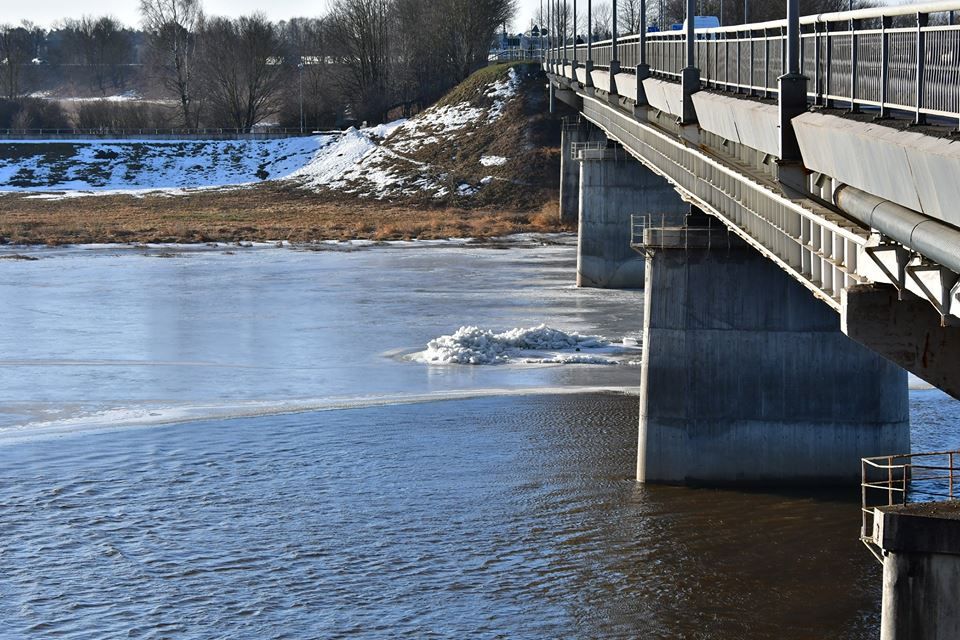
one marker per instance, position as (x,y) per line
(481,162)
(265,212)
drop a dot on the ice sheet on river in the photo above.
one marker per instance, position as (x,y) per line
(538,345)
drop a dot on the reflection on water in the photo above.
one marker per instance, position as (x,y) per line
(481,518)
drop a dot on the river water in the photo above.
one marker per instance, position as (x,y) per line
(228,443)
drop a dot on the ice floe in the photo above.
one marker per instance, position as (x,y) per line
(533,345)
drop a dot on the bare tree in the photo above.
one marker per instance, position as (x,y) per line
(172,26)
(15,52)
(102,44)
(628,16)
(602,16)
(468,28)
(242,69)
(362,32)
(309,53)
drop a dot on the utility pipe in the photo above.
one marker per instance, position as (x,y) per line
(931,238)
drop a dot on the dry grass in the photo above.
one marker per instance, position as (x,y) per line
(270,211)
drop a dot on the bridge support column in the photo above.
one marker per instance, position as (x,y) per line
(613,187)
(573,131)
(746,377)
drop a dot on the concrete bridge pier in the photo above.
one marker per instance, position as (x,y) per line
(613,187)
(747,379)
(573,131)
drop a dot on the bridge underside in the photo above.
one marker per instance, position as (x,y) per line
(726,166)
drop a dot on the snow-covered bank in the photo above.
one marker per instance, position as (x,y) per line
(138,166)
(440,153)
(534,345)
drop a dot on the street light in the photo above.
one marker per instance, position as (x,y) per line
(300,86)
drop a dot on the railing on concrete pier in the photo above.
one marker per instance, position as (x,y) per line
(903,479)
(862,58)
(577,147)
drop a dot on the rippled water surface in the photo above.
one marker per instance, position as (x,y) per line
(511,516)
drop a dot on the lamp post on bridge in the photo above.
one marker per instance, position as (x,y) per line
(573,63)
(588,65)
(690,74)
(643,69)
(614,52)
(792,87)
(540,20)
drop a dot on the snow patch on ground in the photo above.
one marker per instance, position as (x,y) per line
(534,345)
(493,161)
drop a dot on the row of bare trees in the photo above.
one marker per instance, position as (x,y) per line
(365,58)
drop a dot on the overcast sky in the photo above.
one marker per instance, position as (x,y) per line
(46,12)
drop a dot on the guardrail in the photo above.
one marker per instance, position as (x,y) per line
(904,479)
(856,57)
(513,55)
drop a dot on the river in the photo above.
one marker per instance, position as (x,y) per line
(228,442)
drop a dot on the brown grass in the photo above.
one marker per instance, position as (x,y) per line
(270,211)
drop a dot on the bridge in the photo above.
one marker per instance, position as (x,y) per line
(787,194)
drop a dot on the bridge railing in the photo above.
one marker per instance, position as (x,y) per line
(904,58)
(888,481)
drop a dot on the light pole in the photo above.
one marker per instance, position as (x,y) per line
(746,11)
(540,20)
(300,87)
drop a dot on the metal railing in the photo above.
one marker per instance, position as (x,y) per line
(814,245)
(577,147)
(639,224)
(513,55)
(905,479)
(858,58)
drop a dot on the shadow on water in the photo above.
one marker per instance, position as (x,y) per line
(674,562)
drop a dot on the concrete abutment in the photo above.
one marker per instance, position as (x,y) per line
(747,379)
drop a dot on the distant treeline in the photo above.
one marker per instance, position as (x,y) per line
(362,60)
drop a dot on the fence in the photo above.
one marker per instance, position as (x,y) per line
(905,479)
(856,57)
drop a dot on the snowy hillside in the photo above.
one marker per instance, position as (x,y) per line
(405,163)
(472,142)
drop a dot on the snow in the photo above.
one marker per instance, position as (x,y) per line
(427,127)
(534,345)
(372,161)
(386,130)
(493,161)
(142,166)
(327,168)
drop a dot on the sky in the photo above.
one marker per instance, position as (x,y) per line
(46,12)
